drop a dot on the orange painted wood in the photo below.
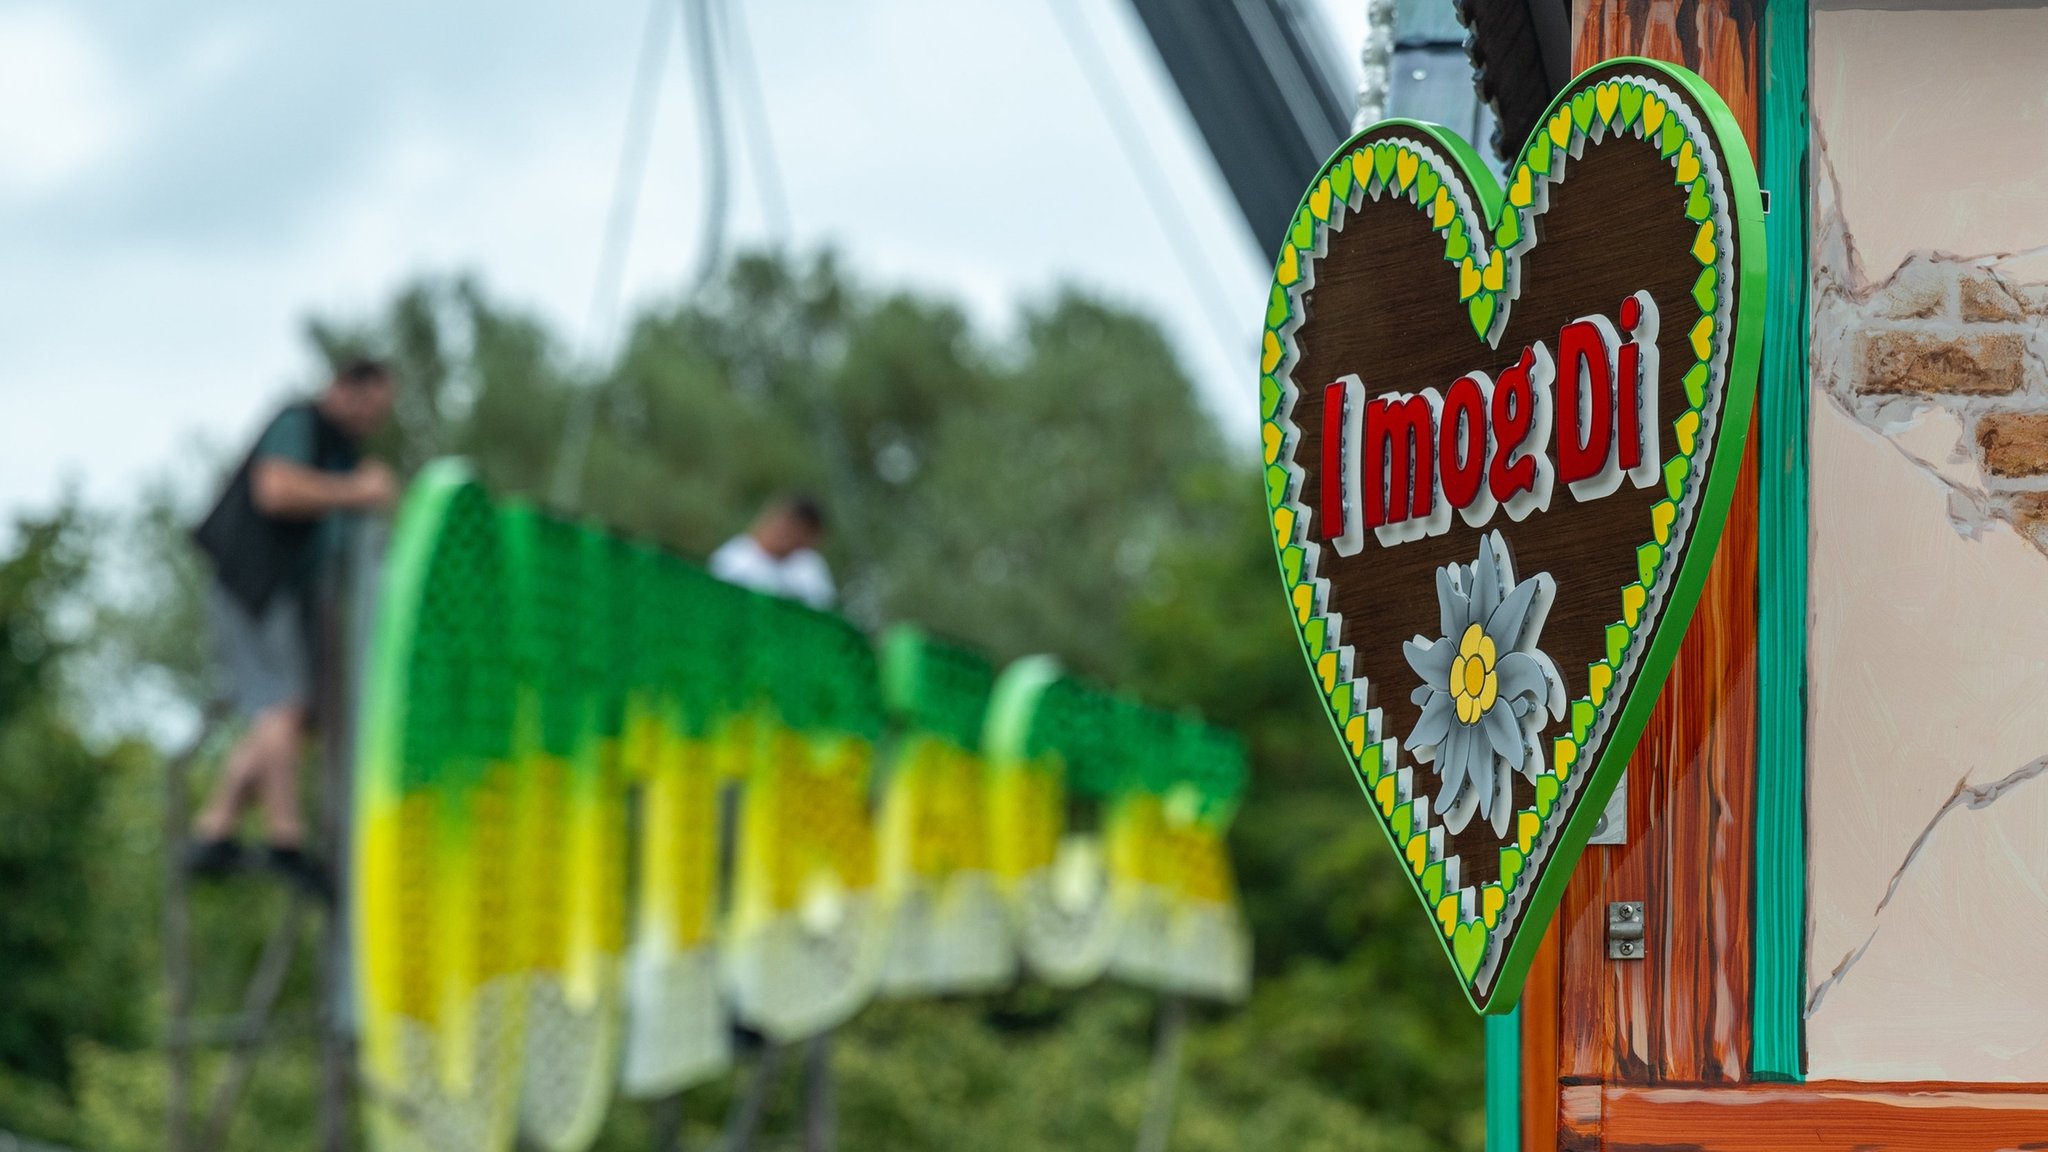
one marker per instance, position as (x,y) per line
(1701,747)
(1583,1053)
(1824,1117)
(1578,1121)
(1539,1046)
(1635,871)
(1718,1030)
(1715,38)
(1683,1014)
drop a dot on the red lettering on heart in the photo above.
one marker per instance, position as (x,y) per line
(1486,445)
(1399,465)
(1462,451)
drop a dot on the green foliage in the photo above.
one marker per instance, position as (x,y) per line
(57,854)
(1061,490)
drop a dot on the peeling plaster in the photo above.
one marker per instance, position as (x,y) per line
(1935,430)
(1941,111)
(1928,657)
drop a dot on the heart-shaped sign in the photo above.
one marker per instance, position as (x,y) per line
(1502,428)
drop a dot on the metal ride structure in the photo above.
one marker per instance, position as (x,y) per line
(896,822)
(344,602)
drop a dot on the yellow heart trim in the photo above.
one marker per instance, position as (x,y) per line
(1561,127)
(1703,249)
(1447,913)
(1653,115)
(1406,164)
(1688,429)
(1496,273)
(1289,268)
(1417,852)
(1271,435)
(1304,595)
(1661,517)
(1598,678)
(1521,191)
(1319,200)
(1703,337)
(1492,899)
(1468,279)
(1383,792)
(1283,527)
(1688,163)
(1606,98)
(1354,735)
(1271,359)
(1442,209)
(1527,824)
(1327,669)
(1565,755)
(1633,597)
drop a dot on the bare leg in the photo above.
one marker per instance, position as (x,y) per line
(263,764)
(231,790)
(278,780)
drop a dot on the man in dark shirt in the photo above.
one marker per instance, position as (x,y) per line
(266,538)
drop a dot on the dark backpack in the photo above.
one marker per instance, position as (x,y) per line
(255,556)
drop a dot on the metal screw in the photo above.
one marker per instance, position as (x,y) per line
(1625,931)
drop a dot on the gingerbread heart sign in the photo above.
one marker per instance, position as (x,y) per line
(1502,428)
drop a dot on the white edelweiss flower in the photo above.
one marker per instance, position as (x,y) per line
(1485,686)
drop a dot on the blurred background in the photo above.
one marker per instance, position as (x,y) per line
(987,277)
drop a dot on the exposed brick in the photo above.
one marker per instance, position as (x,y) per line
(1917,291)
(2014,443)
(2035,298)
(1975,364)
(2030,515)
(1985,299)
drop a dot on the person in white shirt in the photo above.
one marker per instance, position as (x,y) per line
(778,555)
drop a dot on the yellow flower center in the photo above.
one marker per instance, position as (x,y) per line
(1474,683)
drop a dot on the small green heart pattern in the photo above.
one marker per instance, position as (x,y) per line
(1428,168)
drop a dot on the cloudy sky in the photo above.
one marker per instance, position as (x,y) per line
(180,184)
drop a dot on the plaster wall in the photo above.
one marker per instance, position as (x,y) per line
(1928,662)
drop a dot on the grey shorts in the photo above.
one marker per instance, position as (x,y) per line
(264,660)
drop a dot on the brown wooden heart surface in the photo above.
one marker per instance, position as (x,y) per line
(1407,471)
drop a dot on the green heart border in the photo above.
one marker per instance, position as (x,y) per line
(1612,97)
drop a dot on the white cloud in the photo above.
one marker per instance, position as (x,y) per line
(256,162)
(61,114)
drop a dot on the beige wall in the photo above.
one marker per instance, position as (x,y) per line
(1928,691)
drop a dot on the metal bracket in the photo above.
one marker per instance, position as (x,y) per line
(1625,930)
(1612,827)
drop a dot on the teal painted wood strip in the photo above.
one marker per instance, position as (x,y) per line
(1778,1049)
(1504,1082)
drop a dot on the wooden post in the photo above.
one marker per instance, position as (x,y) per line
(1158,1125)
(1684,1014)
(744,1122)
(177,929)
(345,627)
(252,1027)
(668,1123)
(177,944)
(820,1109)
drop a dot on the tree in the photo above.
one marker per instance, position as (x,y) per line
(1059,491)
(66,970)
